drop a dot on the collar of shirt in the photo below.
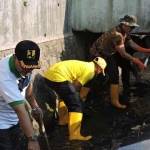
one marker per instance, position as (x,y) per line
(13,67)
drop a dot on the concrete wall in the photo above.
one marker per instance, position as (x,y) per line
(39,20)
(46,22)
(100,15)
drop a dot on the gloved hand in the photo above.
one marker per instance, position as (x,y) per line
(37,114)
(139,63)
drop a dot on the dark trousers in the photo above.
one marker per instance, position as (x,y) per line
(67,92)
(12,139)
(115,61)
(126,67)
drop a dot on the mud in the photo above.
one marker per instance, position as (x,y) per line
(111,128)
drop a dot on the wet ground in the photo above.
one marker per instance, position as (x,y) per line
(111,128)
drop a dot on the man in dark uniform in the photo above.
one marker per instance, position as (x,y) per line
(111,46)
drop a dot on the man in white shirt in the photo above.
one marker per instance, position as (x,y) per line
(15,71)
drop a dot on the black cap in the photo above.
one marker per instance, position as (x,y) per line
(28,52)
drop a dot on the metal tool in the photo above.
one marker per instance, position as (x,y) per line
(146,61)
(44,133)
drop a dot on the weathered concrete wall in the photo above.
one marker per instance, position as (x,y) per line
(39,20)
(100,15)
(45,22)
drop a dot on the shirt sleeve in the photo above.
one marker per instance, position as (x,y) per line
(96,48)
(10,92)
(117,39)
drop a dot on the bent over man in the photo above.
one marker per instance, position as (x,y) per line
(66,78)
(15,72)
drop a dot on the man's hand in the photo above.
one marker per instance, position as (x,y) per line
(77,85)
(139,63)
(26,125)
(33,145)
(84,92)
(37,114)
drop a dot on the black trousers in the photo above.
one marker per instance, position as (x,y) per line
(12,139)
(67,92)
(115,61)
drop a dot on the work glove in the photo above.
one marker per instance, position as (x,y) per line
(139,63)
(37,114)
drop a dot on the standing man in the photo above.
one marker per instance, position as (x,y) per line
(15,71)
(111,46)
(66,78)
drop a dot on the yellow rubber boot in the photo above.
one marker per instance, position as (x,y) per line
(62,113)
(114,94)
(75,119)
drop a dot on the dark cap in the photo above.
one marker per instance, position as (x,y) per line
(28,52)
(129,20)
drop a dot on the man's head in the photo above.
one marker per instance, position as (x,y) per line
(100,65)
(128,22)
(28,54)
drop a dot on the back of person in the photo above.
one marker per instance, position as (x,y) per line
(70,70)
(66,79)
(105,44)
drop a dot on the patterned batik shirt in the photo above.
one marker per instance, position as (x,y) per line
(107,42)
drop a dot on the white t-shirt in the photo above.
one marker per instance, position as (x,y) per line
(9,92)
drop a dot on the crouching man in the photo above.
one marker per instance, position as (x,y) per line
(66,78)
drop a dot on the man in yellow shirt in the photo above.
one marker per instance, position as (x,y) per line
(66,78)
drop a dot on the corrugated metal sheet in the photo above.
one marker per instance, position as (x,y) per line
(40,20)
(100,15)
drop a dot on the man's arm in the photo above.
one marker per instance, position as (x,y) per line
(36,111)
(82,90)
(138,47)
(24,119)
(123,53)
(77,85)
(30,97)
(26,126)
